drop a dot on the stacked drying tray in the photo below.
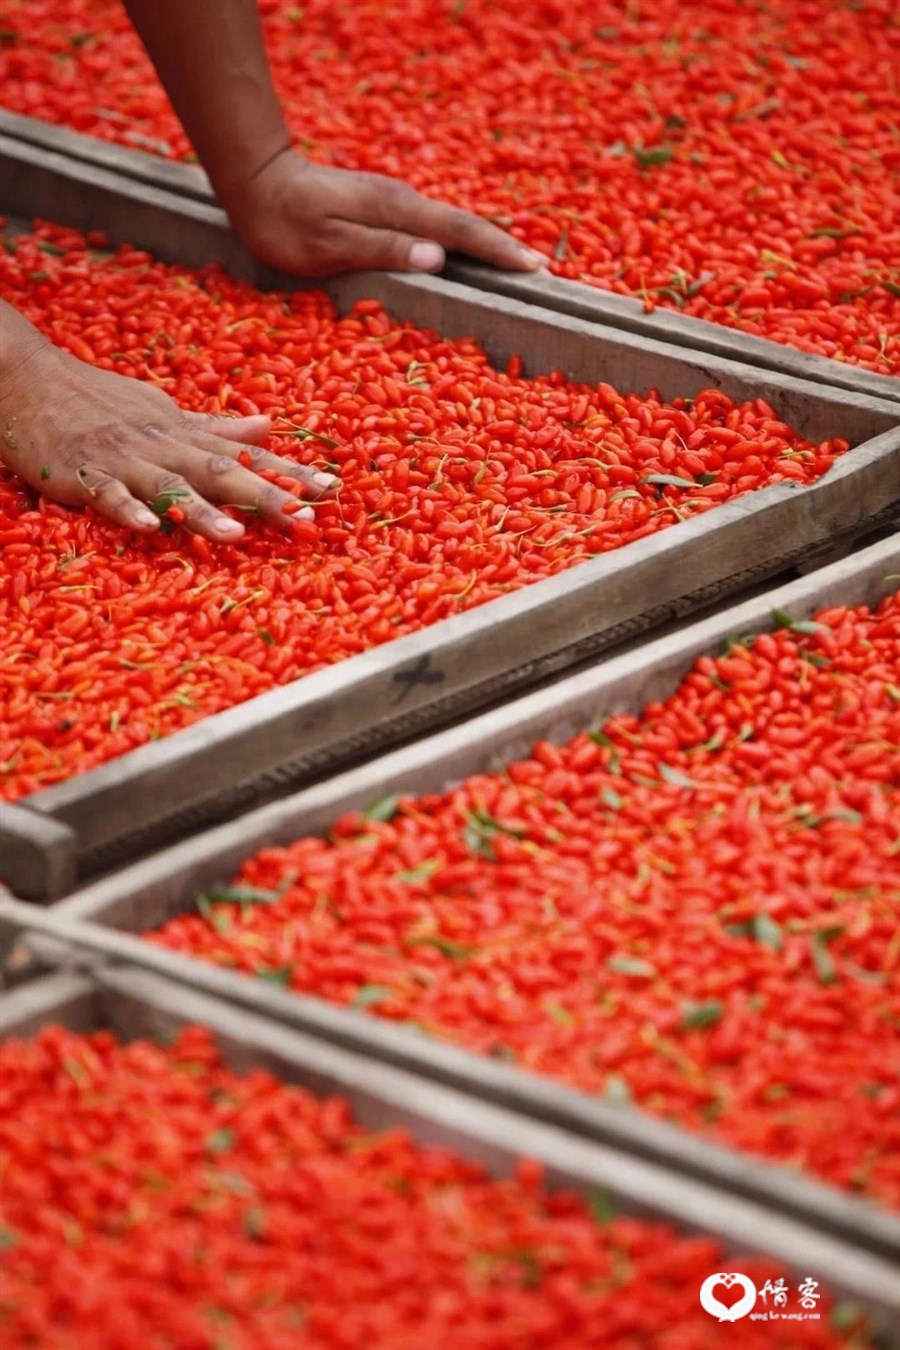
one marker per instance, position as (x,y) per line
(611,1180)
(303,730)
(45,162)
(485,1109)
(645,1164)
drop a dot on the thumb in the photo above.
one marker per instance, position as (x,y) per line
(362,248)
(248,430)
(423,255)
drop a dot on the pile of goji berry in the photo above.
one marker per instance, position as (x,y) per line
(459,484)
(694,910)
(152,1196)
(735,161)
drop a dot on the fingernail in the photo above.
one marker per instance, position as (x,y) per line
(325,480)
(141,516)
(307,513)
(532,256)
(425,257)
(228,529)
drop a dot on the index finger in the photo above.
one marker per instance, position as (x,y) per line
(458,231)
(224,480)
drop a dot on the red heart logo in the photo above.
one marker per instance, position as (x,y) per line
(728,1293)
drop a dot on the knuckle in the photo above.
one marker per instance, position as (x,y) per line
(151,430)
(171,482)
(92,477)
(372,183)
(217,465)
(398,192)
(321,261)
(261,462)
(291,469)
(203,425)
(396,248)
(306,474)
(202,516)
(464,227)
(105,442)
(397,200)
(113,492)
(324,245)
(103,488)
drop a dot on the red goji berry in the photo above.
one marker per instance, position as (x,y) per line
(185,1193)
(486,502)
(657,908)
(753,184)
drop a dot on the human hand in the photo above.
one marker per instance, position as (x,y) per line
(86,436)
(314,221)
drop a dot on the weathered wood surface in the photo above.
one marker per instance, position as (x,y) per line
(108,913)
(301,731)
(134,1003)
(541,289)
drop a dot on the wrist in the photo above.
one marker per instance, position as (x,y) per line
(21,345)
(239,177)
(251,203)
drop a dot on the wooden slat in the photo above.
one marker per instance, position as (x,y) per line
(542,289)
(134,1003)
(407,687)
(151,892)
